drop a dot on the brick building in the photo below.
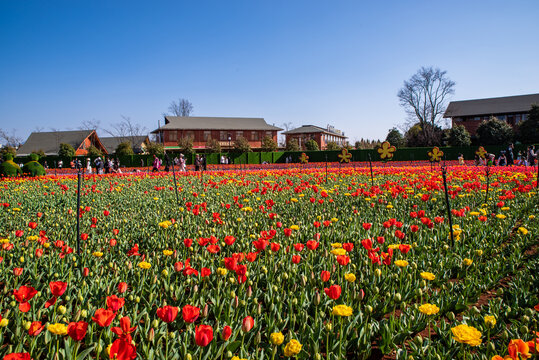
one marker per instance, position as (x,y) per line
(321,135)
(470,113)
(224,129)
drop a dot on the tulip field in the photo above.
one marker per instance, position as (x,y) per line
(272,264)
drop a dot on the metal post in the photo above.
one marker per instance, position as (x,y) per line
(370,165)
(488,178)
(174,177)
(537,178)
(448,207)
(79,182)
(326,168)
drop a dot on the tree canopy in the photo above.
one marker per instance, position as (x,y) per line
(528,130)
(494,132)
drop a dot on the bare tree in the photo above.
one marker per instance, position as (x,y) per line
(287,125)
(11,138)
(127,130)
(181,108)
(424,97)
(90,124)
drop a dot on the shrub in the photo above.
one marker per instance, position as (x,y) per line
(124,149)
(311,145)
(528,130)
(268,144)
(494,132)
(459,136)
(242,145)
(66,150)
(292,145)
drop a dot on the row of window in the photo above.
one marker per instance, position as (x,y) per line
(511,118)
(223,135)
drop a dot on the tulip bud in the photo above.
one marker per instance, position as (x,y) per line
(62,309)
(525,319)
(329,326)
(499,292)
(205,311)
(397,298)
(235,302)
(368,309)
(524,329)
(418,340)
(317,299)
(451,316)
(155,323)
(491,347)
(378,272)
(151,334)
(249,291)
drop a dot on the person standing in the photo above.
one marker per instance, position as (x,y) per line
(531,155)
(182,162)
(461,159)
(88,166)
(203,163)
(509,155)
(156,163)
(197,162)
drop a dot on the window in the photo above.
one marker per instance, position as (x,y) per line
(223,135)
(477,118)
(501,117)
(190,134)
(173,135)
(269,134)
(524,117)
(254,135)
(239,134)
(207,135)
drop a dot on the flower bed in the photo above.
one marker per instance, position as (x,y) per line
(271,264)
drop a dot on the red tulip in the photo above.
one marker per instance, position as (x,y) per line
(85,272)
(32,225)
(296,259)
(115,303)
(247,324)
(35,328)
(334,292)
(312,245)
(103,317)
(167,313)
(190,314)
(203,335)
(106,213)
(17,356)
(287,232)
(19,233)
(77,330)
(122,287)
(348,246)
(275,247)
(23,295)
(122,349)
(205,272)
(227,332)
(17,271)
(325,275)
(343,260)
(125,329)
(58,288)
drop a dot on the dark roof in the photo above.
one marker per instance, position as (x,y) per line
(491,106)
(214,123)
(307,129)
(50,141)
(112,142)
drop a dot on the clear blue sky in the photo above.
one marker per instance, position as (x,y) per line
(305,62)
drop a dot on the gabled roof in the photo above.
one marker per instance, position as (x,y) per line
(50,141)
(214,123)
(491,106)
(308,129)
(112,142)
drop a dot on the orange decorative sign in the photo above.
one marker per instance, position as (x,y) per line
(345,156)
(304,159)
(435,154)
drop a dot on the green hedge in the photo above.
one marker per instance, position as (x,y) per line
(402,154)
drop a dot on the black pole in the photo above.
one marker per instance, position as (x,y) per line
(537,178)
(370,165)
(448,207)
(488,178)
(79,182)
(326,168)
(174,177)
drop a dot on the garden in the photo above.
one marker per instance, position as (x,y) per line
(272,264)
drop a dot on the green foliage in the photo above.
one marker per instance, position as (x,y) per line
(311,145)
(268,144)
(213,146)
(421,136)
(528,131)
(494,132)
(66,150)
(186,145)
(94,151)
(34,157)
(8,168)
(292,145)
(332,145)
(40,153)
(33,168)
(242,145)
(8,150)
(155,149)
(395,137)
(459,136)
(124,149)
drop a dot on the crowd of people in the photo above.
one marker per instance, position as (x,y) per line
(508,158)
